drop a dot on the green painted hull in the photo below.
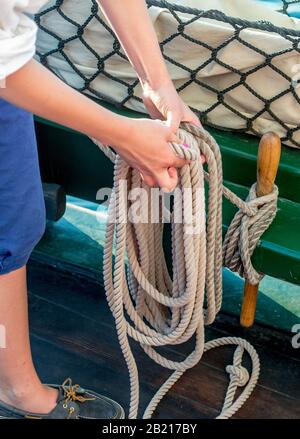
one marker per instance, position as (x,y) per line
(73,161)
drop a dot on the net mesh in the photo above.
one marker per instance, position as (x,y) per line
(85,82)
(287,6)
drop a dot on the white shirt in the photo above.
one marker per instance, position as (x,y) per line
(17,34)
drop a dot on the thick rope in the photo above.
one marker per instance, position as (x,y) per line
(156,310)
(245,231)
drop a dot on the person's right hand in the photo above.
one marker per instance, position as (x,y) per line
(147,148)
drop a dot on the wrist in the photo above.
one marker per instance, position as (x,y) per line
(154,82)
(122,132)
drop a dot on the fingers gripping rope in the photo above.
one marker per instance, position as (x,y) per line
(156,310)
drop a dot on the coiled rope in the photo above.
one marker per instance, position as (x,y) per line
(154,309)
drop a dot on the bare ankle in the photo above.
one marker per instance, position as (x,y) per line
(40,400)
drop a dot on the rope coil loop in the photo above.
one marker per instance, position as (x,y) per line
(156,310)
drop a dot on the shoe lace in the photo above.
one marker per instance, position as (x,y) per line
(71,392)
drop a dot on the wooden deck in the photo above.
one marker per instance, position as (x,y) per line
(73,334)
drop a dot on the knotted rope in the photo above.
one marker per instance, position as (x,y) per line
(245,230)
(156,310)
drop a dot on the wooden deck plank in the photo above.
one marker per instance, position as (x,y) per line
(54,361)
(73,332)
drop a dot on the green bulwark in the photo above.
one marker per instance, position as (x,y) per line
(73,161)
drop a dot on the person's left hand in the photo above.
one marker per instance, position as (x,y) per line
(163,102)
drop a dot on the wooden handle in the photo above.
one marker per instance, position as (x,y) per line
(267,163)
(267,166)
(249,305)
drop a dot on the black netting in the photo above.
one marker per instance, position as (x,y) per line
(268,105)
(288,7)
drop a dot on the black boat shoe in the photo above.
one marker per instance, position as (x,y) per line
(73,402)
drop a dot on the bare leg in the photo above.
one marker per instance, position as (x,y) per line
(19,383)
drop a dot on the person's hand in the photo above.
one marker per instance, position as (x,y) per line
(146,147)
(163,102)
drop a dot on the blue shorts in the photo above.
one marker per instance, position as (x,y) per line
(22,208)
